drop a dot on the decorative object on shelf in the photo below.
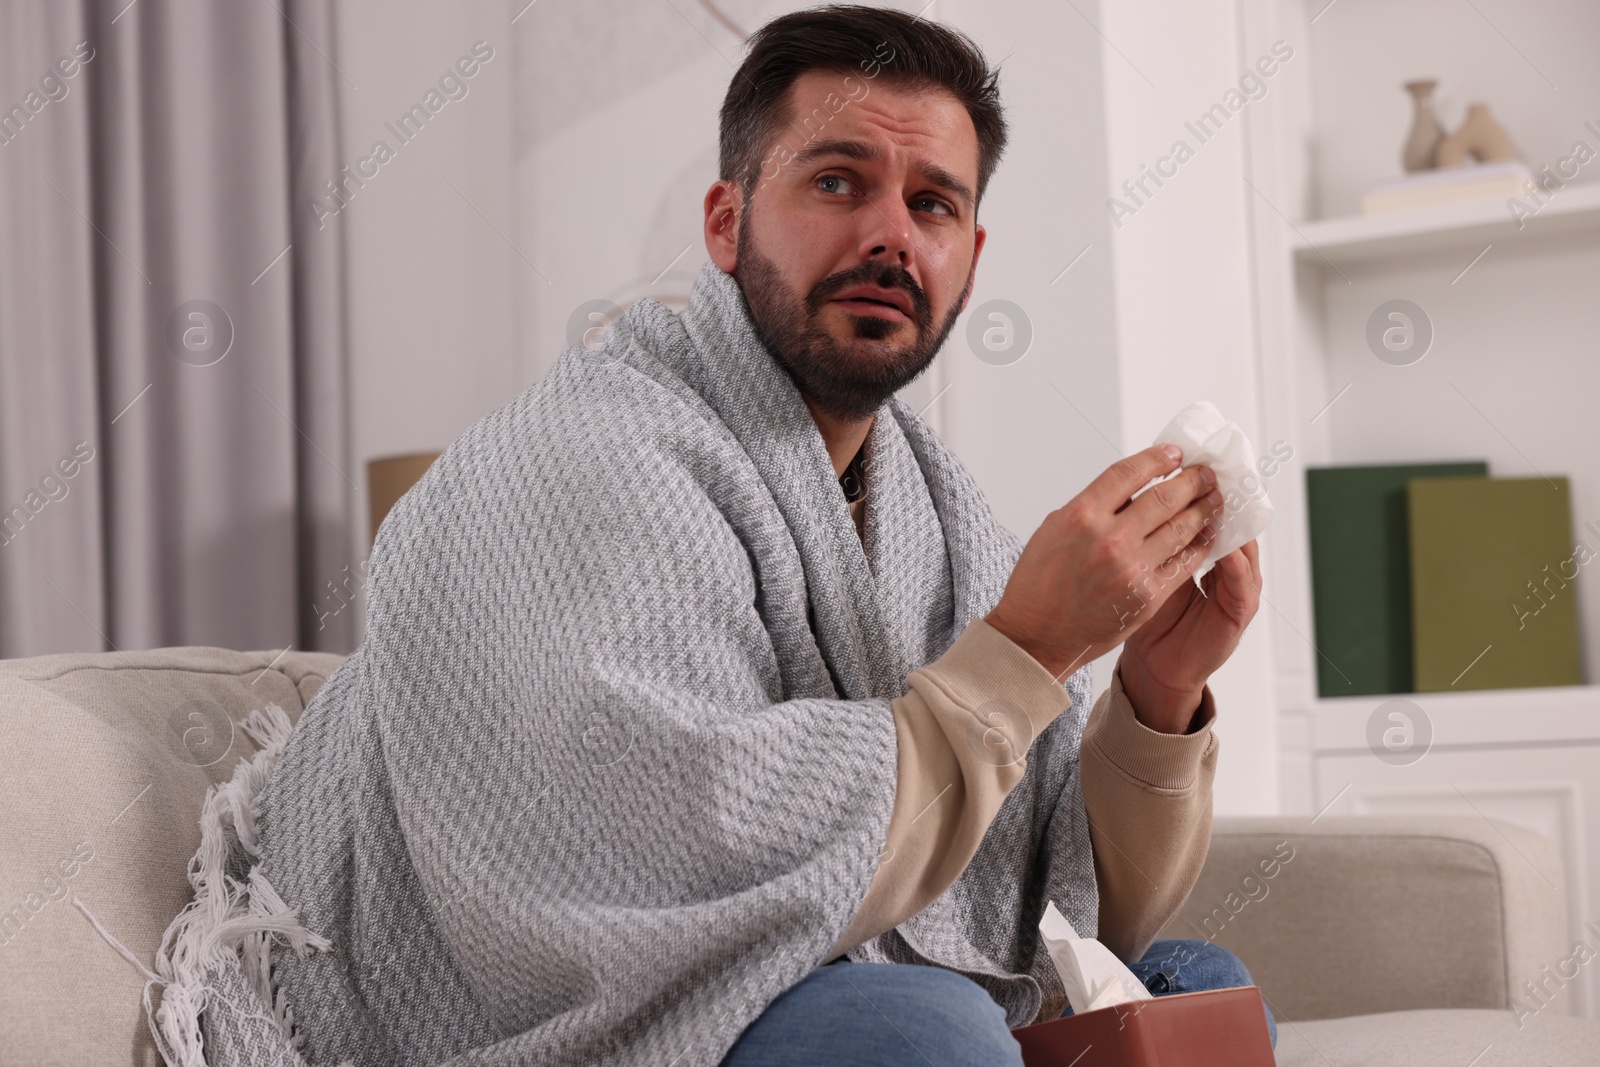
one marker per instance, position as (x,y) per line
(1492,568)
(1434,161)
(1481,136)
(1426,133)
(1361,573)
(1457,185)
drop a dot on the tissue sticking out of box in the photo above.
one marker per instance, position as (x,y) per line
(1206,437)
(1093,976)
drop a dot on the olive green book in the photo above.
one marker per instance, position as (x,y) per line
(1361,573)
(1493,572)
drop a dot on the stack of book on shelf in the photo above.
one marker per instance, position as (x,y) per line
(1436,577)
(1453,185)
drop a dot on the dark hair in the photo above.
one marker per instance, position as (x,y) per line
(903,49)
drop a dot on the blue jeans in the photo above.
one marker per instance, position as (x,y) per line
(903,1015)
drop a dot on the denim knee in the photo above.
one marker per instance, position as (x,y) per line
(1180,965)
(880,1014)
(965,1020)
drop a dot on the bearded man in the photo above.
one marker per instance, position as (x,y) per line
(705,713)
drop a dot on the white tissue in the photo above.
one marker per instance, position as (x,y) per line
(1206,437)
(1093,976)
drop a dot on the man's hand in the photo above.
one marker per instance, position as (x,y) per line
(1102,566)
(1164,666)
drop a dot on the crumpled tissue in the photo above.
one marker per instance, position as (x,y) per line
(1206,437)
(1093,976)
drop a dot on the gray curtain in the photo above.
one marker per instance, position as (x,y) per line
(173,458)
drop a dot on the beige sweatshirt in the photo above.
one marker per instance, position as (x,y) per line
(1147,793)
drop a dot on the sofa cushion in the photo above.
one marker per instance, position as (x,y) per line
(1448,1038)
(1347,915)
(105,760)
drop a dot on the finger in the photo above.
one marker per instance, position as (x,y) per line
(1161,501)
(1252,552)
(1167,528)
(1243,568)
(1125,477)
(1199,522)
(1236,569)
(1181,565)
(1248,563)
(1237,589)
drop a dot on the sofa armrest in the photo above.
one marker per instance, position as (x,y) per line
(1353,915)
(105,760)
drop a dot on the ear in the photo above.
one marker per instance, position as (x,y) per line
(724,209)
(979,234)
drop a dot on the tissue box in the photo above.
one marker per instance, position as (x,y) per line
(1216,1028)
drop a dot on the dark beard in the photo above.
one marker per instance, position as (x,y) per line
(846,386)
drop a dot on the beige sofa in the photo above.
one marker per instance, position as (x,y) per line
(1401,941)
(1377,941)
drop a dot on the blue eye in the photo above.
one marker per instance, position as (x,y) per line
(940,205)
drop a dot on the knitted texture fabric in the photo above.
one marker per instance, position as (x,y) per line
(615,761)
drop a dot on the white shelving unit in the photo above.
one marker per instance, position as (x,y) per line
(1516,344)
(1357,240)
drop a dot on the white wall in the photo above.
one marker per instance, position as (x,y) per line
(1183,297)
(431,314)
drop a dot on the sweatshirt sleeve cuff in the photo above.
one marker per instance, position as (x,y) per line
(984,665)
(1158,760)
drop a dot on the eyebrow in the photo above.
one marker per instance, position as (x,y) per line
(866,153)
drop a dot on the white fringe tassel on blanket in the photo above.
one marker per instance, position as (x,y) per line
(228,923)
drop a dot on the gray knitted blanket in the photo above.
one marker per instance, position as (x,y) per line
(612,768)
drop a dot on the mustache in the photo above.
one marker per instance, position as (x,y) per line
(885,277)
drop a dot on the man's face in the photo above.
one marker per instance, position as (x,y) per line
(874,194)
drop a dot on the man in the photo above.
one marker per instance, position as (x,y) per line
(657,736)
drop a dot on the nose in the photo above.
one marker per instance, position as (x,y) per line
(886,232)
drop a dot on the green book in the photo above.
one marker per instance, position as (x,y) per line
(1361,573)
(1493,565)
